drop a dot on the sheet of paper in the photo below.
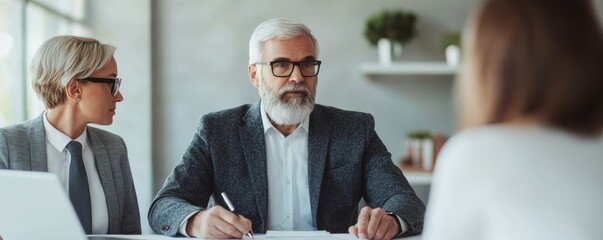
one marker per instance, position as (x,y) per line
(296,234)
(129,237)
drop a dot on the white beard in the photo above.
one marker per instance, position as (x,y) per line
(287,111)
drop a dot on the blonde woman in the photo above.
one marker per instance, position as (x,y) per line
(528,163)
(76,78)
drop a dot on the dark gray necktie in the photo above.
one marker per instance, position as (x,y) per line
(79,192)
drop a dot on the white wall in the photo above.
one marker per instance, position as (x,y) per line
(127,25)
(184,58)
(203,49)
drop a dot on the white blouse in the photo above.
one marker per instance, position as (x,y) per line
(517,182)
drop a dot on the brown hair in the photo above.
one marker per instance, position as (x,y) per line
(540,59)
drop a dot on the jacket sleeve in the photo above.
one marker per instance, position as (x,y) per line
(386,186)
(3,151)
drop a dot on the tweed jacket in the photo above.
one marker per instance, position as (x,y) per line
(346,162)
(23,147)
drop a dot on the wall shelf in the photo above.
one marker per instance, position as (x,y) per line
(408,68)
(417,176)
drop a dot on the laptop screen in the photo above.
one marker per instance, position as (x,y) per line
(33,205)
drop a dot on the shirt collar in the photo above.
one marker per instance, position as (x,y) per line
(305,124)
(58,139)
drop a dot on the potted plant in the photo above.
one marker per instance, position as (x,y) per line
(451,42)
(419,149)
(389,28)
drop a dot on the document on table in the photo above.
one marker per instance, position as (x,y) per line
(130,237)
(305,235)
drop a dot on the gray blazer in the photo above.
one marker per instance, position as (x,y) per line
(346,162)
(23,147)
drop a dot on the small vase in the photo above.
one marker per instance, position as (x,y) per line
(385,51)
(417,153)
(388,51)
(453,55)
(396,51)
(427,154)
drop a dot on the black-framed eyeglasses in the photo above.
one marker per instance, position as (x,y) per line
(115,83)
(282,68)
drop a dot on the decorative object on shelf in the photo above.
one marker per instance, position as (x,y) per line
(389,31)
(418,148)
(388,51)
(422,149)
(452,47)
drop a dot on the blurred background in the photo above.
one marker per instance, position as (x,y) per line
(180,59)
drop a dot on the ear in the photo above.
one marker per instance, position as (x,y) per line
(73,90)
(252,71)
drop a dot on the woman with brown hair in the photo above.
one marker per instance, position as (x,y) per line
(528,163)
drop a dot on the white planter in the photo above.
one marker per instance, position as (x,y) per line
(453,55)
(427,154)
(416,153)
(420,152)
(388,51)
(385,51)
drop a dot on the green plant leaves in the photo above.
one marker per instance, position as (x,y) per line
(451,38)
(396,25)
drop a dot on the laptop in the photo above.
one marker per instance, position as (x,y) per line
(34,205)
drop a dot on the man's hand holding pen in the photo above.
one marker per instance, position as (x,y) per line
(218,222)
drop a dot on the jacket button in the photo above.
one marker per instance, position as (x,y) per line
(165,228)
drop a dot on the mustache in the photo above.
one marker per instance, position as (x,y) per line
(293,87)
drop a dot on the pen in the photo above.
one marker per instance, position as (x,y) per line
(233,210)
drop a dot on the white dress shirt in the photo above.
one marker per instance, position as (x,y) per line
(59,159)
(288,188)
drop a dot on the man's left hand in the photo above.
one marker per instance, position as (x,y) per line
(375,224)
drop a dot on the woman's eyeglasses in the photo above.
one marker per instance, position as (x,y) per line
(115,83)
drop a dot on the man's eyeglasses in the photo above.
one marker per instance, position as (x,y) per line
(282,68)
(115,83)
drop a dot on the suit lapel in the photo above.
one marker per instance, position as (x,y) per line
(254,150)
(103,167)
(37,145)
(318,145)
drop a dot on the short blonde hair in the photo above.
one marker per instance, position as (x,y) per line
(64,58)
(534,59)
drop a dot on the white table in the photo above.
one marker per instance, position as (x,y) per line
(336,236)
